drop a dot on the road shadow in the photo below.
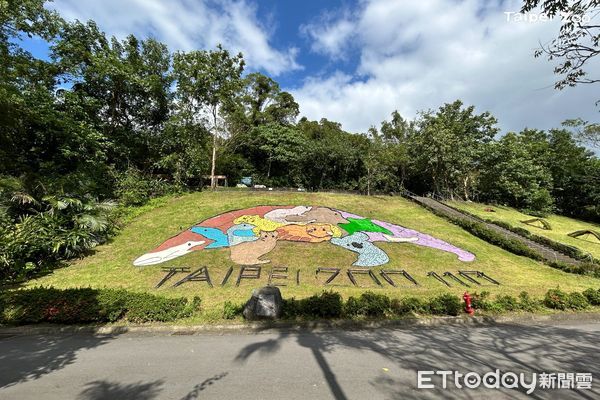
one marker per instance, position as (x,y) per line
(195,392)
(507,347)
(23,359)
(105,390)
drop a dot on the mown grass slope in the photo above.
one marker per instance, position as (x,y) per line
(111,265)
(561,226)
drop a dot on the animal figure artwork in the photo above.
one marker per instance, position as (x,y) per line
(250,234)
(249,253)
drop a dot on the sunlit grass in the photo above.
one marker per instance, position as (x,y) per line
(111,265)
(561,226)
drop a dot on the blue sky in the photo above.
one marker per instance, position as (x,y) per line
(357,61)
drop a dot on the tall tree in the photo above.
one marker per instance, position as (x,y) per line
(206,82)
(24,80)
(397,134)
(511,174)
(333,157)
(125,84)
(570,165)
(449,145)
(261,101)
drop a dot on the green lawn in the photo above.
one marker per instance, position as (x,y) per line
(111,265)
(561,226)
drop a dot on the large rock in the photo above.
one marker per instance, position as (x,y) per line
(265,303)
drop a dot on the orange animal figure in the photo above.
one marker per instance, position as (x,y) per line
(312,233)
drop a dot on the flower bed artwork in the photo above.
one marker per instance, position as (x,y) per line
(252,233)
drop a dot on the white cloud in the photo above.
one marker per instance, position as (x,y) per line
(187,25)
(418,55)
(330,35)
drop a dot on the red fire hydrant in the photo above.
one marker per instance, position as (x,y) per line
(468,307)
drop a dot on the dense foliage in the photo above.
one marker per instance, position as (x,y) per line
(88,305)
(102,120)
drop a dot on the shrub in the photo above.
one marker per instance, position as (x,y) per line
(481,301)
(408,305)
(325,305)
(556,299)
(526,303)
(231,310)
(84,305)
(593,296)
(507,303)
(559,300)
(132,187)
(591,269)
(577,301)
(369,304)
(445,304)
(63,227)
(145,307)
(291,308)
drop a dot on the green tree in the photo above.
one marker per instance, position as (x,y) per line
(206,82)
(333,157)
(396,135)
(449,144)
(278,149)
(512,175)
(260,101)
(572,169)
(125,85)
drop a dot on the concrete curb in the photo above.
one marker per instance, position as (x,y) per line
(304,326)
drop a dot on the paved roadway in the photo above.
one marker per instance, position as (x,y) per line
(367,364)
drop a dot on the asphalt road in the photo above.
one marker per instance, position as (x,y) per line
(367,364)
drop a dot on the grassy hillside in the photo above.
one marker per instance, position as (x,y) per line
(111,265)
(561,226)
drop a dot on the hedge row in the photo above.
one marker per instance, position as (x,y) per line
(554,299)
(85,305)
(369,304)
(373,305)
(109,305)
(479,229)
(502,303)
(483,232)
(590,266)
(566,249)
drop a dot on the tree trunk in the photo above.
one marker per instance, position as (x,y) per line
(466,187)
(213,180)
(368,181)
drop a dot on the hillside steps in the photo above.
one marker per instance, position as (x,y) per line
(547,253)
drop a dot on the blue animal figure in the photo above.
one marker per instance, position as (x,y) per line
(369,255)
(241,233)
(220,239)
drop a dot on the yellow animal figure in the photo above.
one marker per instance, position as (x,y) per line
(261,224)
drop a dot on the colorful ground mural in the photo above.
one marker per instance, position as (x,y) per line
(252,233)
